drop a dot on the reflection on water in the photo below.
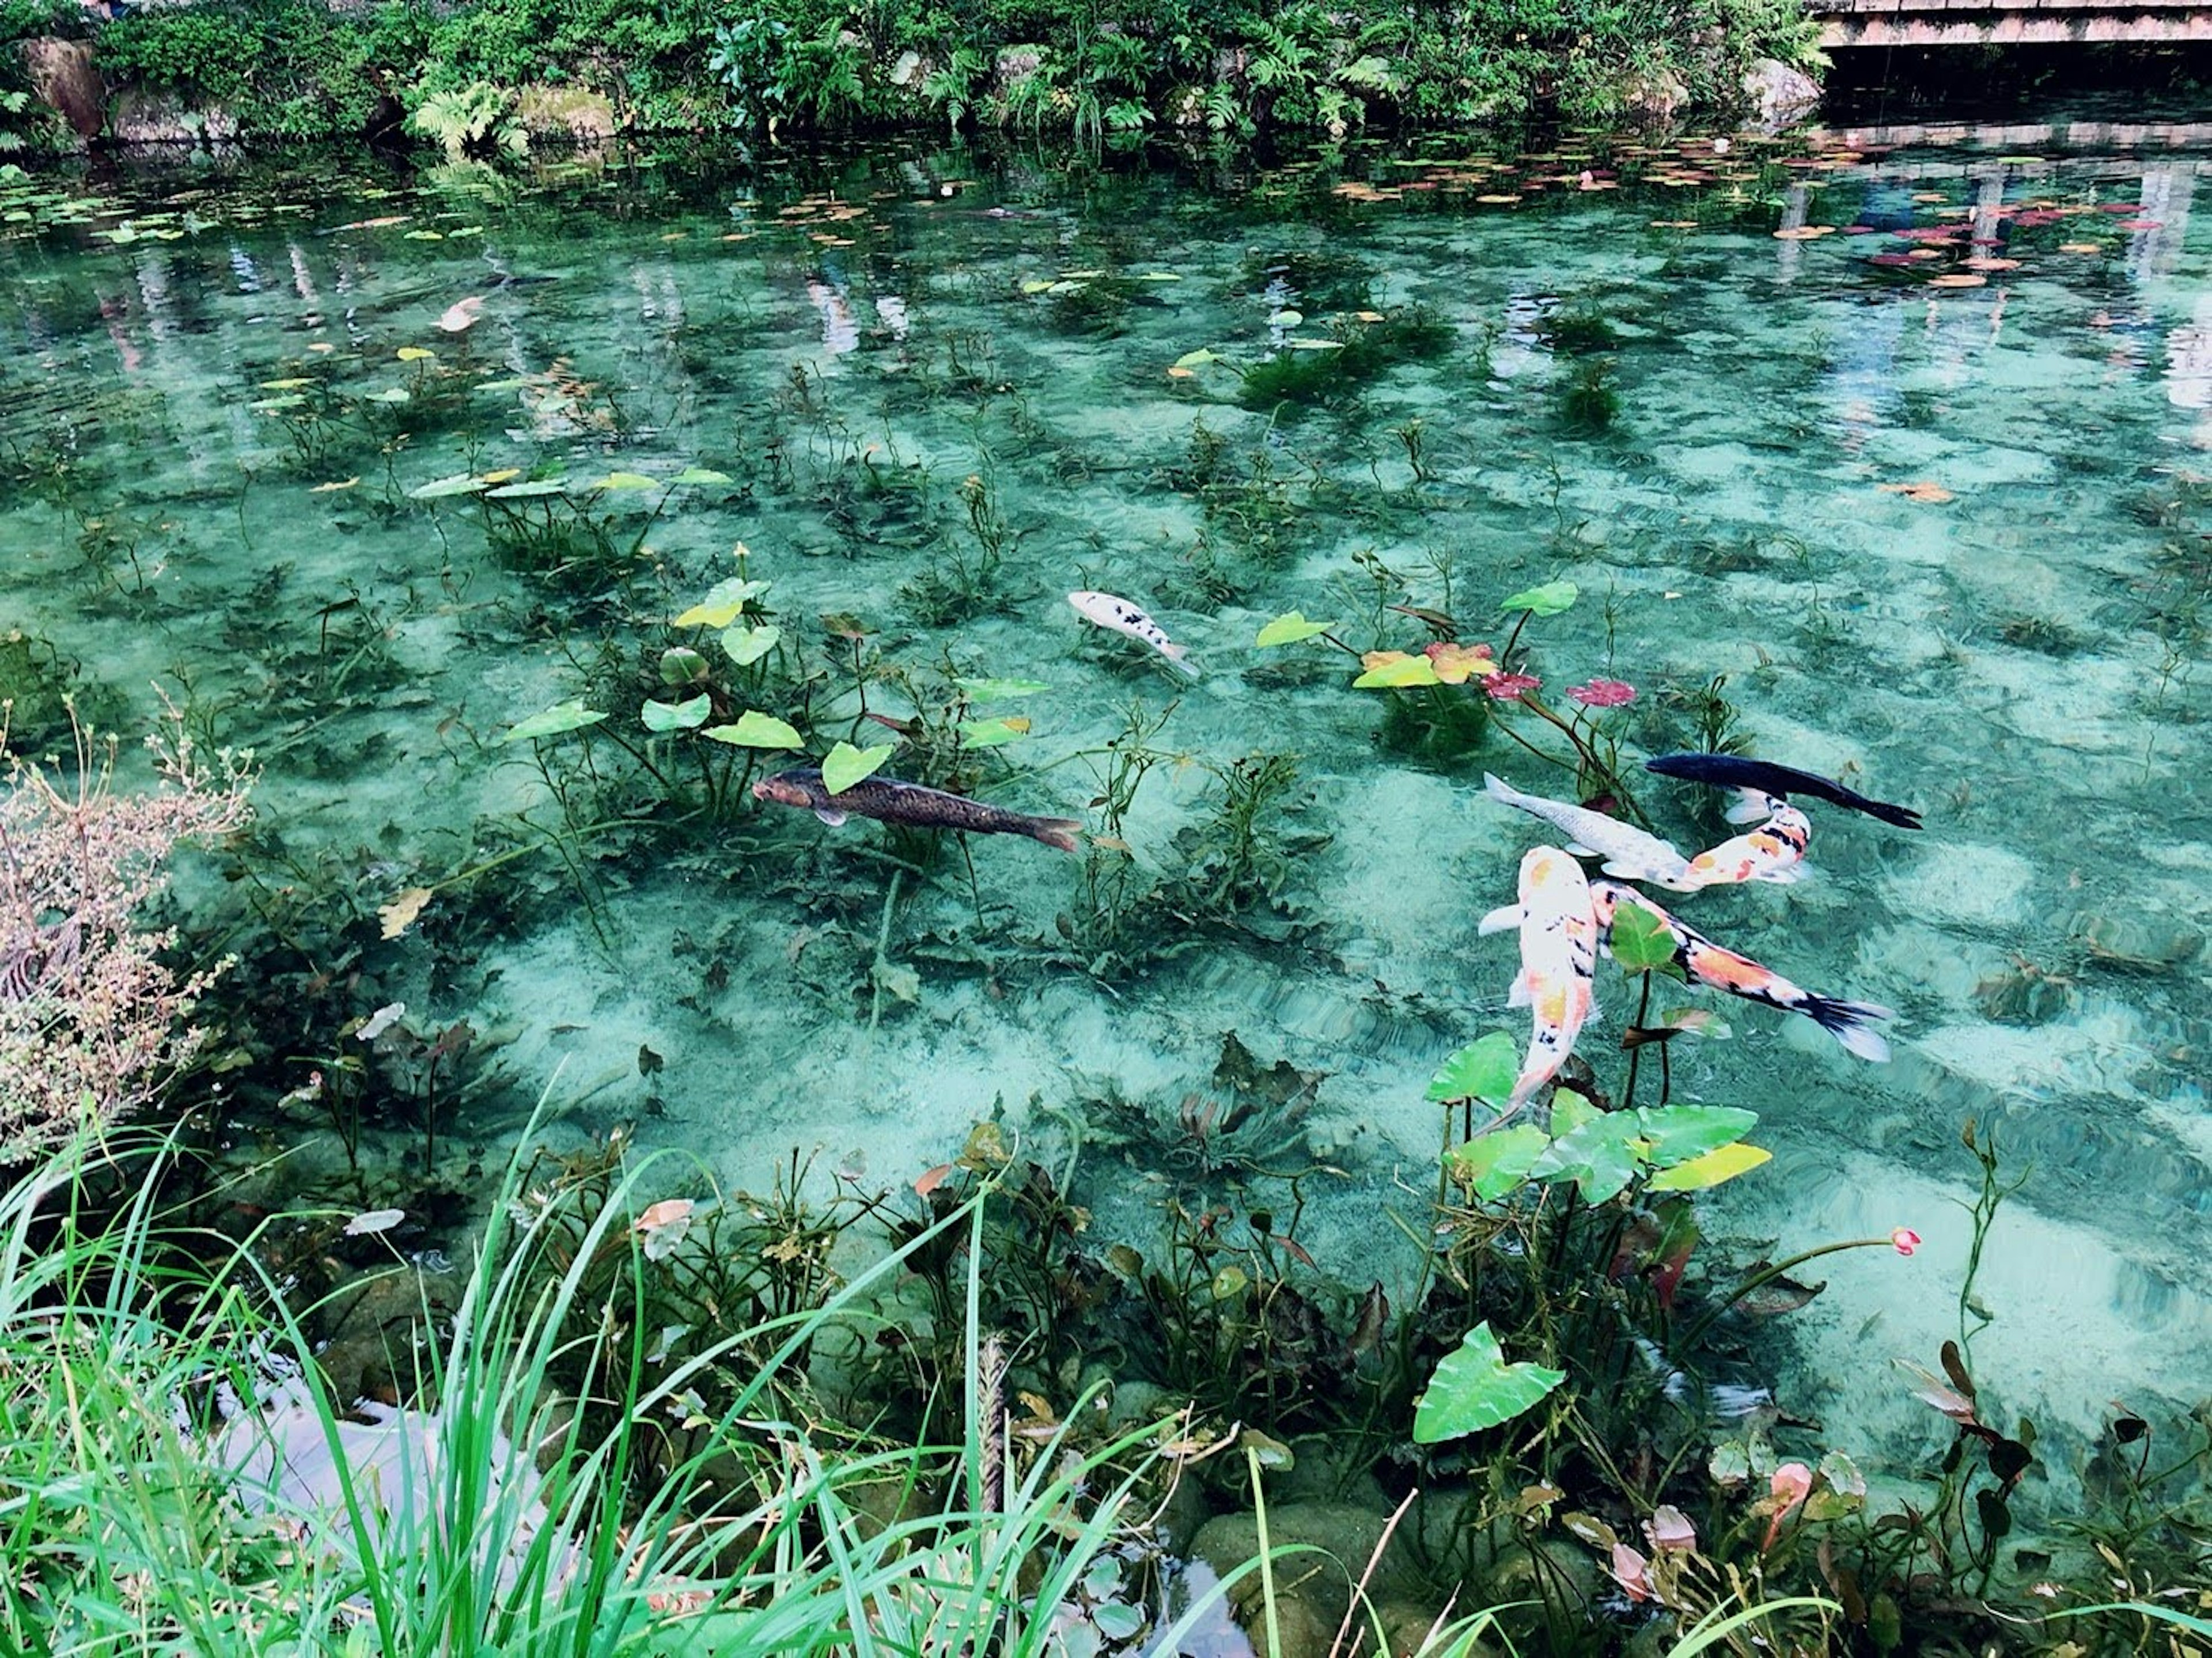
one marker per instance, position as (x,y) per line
(1906,449)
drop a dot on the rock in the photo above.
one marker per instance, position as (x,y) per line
(63,79)
(141,117)
(1656,95)
(2136,944)
(1778,95)
(568,115)
(1312,1590)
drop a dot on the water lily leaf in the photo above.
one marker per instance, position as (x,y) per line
(461,483)
(1696,1022)
(1195,359)
(1677,1134)
(1600,1156)
(569,716)
(374,1221)
(990,734)
(746,646)
(401,912)
(1641,941)
(1483,1070)
(754,730)
(1497,1162)
(290,384)
(688,715)
(1289,629)
(724,601)
(392,394)
(682,665)
(1285,319)
(273,405)
(1037,285)
(845,765)
(1710,1170)
(527,491)
(1117,1620)
(1000,691)
(699,475)
(623,481)
(1549,599)
(1475,1388)
(1393,676)
(415,354)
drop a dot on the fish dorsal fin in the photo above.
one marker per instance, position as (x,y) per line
(831,816)
(1500,919)
(1751,805)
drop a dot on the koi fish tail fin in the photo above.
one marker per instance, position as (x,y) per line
(1751,806)
(1178,656)
(1060,832)
(1501,791)
(1848,1023)
(1902,816)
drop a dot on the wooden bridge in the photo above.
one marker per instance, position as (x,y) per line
(1846,23)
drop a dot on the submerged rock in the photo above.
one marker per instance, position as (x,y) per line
(1313,1589)
(2136,944)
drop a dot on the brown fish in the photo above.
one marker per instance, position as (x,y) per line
(890,801)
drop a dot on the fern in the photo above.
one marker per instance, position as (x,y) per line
(474,120)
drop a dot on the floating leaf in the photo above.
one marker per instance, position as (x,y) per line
(527,491)
(699,475)
(845,765)
(1483,1070)
(1600,1156)
(746,646)
(400,914)
(1640,942)
(990,734)
(1196,358)
(1000,691)
(1710,1170)
(1495,1163)
(374,1221)
(1549,599)
(392,394)
(1037,285)
(723,604)
(1676,1133)
(754,730)
(1395,674)
(1117,1620)
(684,716)
(623,481)
(1475,1388)
(292,383)
(1285,319)
(415,354)
(1289,629)
(461,483)
(682,665)
(569,716)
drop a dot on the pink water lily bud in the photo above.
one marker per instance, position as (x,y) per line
(1630,1570)
(1904,1240)
(1669,1530)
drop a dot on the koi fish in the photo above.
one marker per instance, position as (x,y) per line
(1717,967)
(1558,960)
(460,316)
(1119,614)
(1775,851)
(890,801)
(1765,778)
(1628,852)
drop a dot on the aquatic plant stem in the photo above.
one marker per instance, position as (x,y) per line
(1636,1054)
(883,947)
(1766,1275)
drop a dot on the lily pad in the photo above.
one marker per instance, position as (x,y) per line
(724,601)
(1677,1134)
(1710,1170)
(1495,1163)
(529,491)
(699,475)
(688,715)
(1475,1388)
(991,733)
(1640,942)
(845,765)
(1549,599)
(746,646)
(1394,675)
(624,481)
(1289,629)
(561,718)
(754,730)
(1483,1070)
(461,483)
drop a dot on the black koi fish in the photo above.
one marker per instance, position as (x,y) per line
(890,801)
(1733,771)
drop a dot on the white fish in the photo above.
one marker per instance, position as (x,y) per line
(1628,852)
(1105,610)
(461,316)
(1558,958)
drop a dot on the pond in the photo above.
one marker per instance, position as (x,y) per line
(1884,458)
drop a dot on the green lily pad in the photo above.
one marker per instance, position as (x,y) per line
(754,730)
(1600,1156)
(724,602)
(1549,599)
(991,733)
(461,483)
(529,491)
(1289,629)
(1495,1163)
(1395,676)
(1710,1170)
(746,646)
(1640,942)
(845,765)
(624,481)
(688,715)
(1474,1389)
(1676,1133)
(1196,358)
(699,475)
(562,717)
(1483,1070)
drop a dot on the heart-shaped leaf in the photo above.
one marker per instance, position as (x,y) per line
(461,483)
(699,475)
(1600,1156)
(677,716)
(1497,1162)
(569,716)
(990,734)
(1549,599)
(1483,1070)
(845,765)
(1711,1169)
(746,646)
(1640,941)
(623,481)
(682,665)
(1393,676)
(723,602)
(754,730)
(529,491)
(1195,359)
(1676,1133)
(1290,630)
(1475,1388)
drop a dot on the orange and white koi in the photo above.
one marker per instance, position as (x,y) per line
(1717,968)
(1558,963)
(1628,851)
(1775,851)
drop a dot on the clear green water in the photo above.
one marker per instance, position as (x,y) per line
(848,343)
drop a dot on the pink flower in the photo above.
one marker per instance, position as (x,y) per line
(1603,693)
(1904,1240)
(1510,687)
(1632,1571)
